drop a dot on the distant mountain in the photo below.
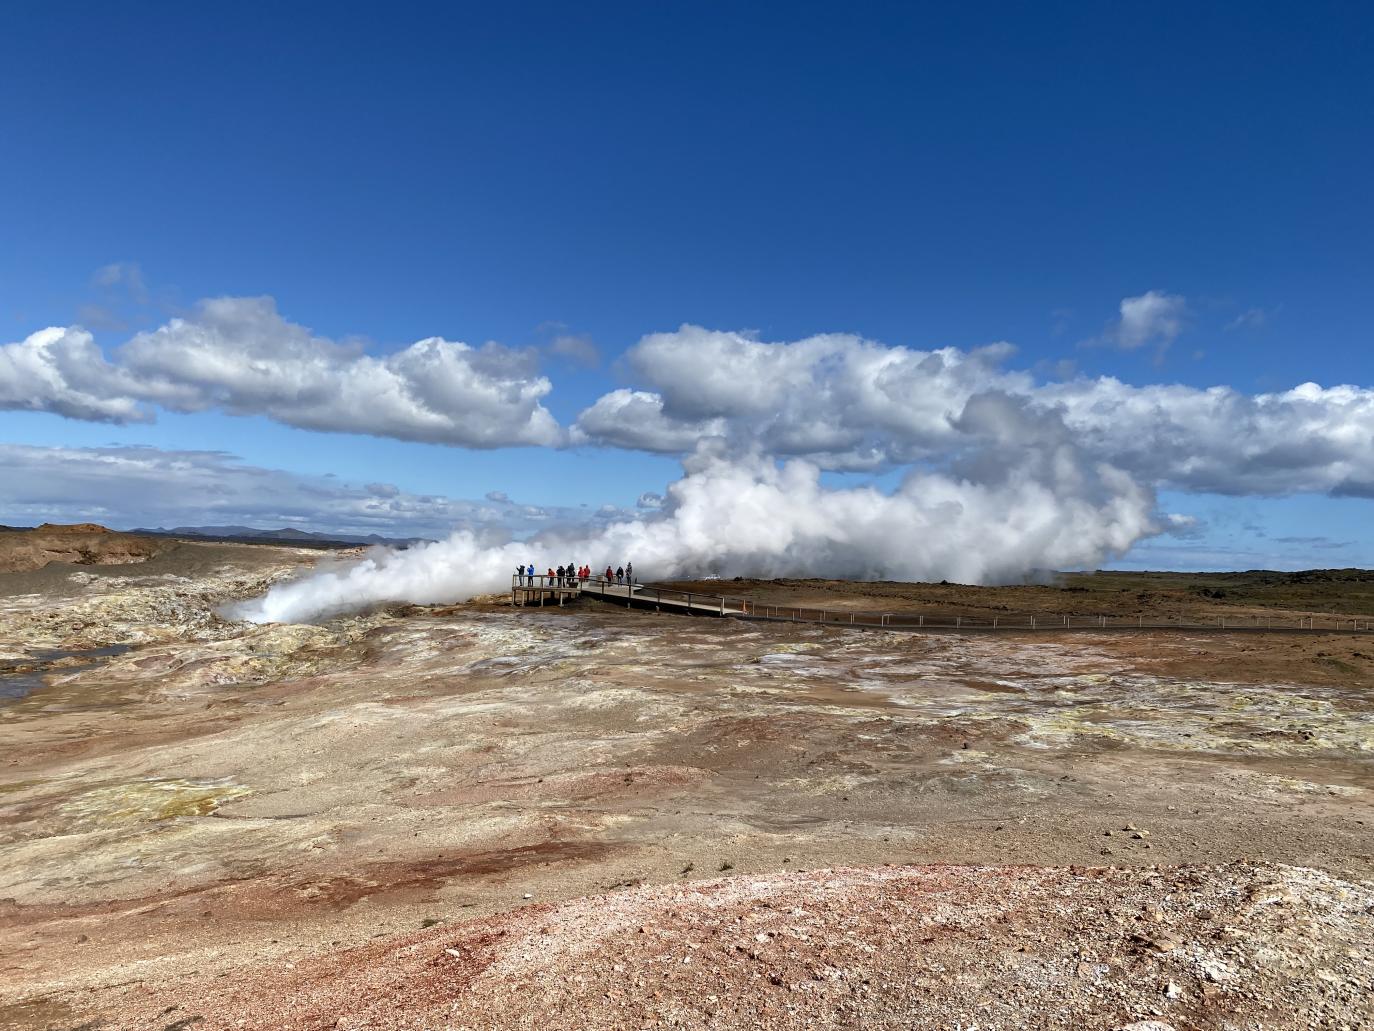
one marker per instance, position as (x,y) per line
(286,535)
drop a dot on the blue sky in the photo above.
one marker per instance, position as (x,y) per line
(917,175)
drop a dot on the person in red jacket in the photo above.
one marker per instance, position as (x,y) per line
(610,574)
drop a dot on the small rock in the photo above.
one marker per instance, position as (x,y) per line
(527,895)
(1172,991)
(1146,1025)
(1215,970)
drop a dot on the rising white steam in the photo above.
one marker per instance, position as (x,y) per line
(1024,500)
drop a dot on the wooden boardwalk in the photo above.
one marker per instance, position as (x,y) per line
(540,590)
(553,590)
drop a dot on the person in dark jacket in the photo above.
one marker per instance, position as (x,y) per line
(620,574)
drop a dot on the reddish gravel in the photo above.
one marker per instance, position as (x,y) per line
(986,948)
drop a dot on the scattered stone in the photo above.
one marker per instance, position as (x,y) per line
(1216,970)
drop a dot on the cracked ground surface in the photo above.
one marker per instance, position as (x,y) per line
(227,815)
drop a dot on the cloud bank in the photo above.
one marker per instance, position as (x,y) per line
(847,403)
(125,487)
(838,401)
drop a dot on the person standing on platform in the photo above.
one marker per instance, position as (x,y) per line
(629,572)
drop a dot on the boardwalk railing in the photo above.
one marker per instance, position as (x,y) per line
(1042,621)
(694,602)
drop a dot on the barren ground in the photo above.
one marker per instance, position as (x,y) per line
(473,817)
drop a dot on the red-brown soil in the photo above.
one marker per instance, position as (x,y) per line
(944,947)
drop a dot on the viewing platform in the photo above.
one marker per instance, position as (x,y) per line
(529,590)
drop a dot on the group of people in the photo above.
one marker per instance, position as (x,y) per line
(568,576)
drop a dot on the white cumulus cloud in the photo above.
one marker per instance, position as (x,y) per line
(1153,317)
(847,403)
(63,371)
(240,355)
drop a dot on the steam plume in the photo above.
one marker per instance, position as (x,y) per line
(1024,500)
